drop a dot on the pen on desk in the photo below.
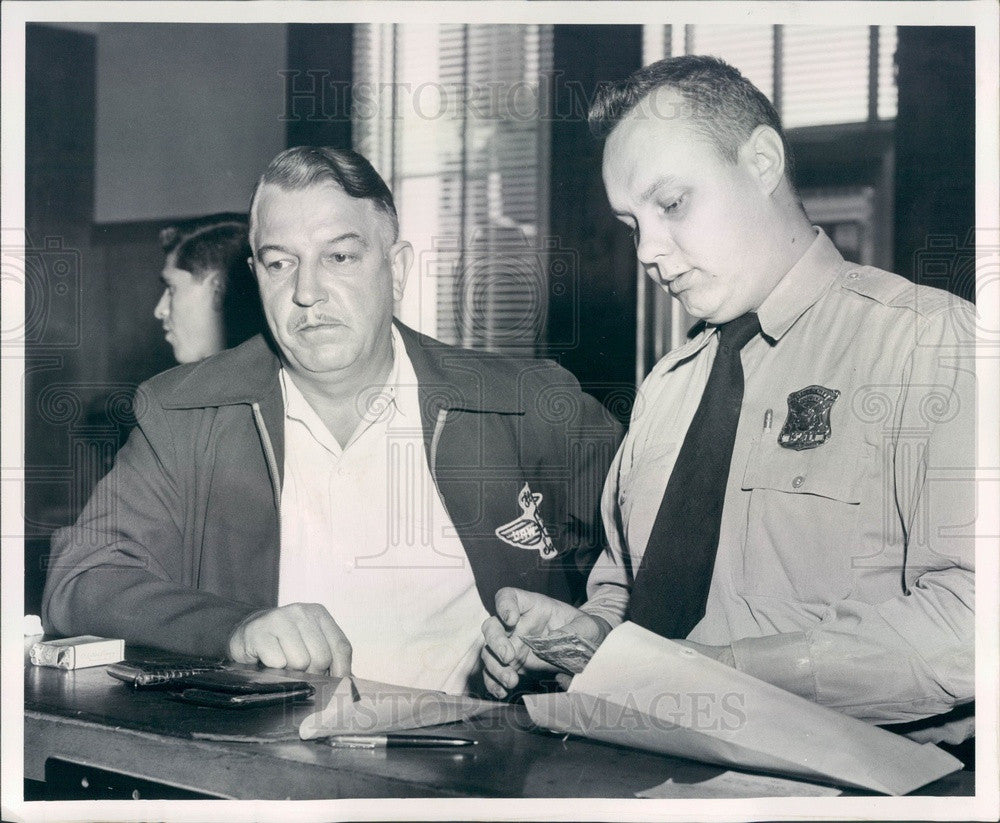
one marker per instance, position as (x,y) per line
(390,741)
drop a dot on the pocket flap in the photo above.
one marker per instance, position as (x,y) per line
(832,470)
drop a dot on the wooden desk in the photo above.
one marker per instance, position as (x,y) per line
(86,717)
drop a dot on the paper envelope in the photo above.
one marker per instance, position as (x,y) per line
(386,708)
(645,691)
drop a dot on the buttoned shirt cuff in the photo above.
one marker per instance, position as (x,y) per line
(784,660)
(607,608)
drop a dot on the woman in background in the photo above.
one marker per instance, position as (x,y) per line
(210,300)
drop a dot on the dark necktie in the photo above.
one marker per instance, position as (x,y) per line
(671,585)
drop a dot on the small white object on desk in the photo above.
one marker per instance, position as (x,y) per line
(739,784)
(78,652)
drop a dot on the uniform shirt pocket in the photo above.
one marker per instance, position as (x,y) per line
(802,519)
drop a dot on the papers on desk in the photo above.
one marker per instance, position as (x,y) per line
(379,708)
(739,784)
(645,691)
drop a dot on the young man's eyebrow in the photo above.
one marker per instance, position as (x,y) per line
(650,190)
(657,184)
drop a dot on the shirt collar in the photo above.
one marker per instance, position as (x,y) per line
(805,283)
(795,293)
(377,401)
(298,408)
(402,379)
(685,351)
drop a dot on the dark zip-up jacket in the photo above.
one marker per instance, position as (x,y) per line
(180,541)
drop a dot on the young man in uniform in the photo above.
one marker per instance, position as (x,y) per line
(795,494)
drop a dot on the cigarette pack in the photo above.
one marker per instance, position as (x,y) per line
(78,652)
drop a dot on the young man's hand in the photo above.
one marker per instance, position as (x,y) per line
(519,613)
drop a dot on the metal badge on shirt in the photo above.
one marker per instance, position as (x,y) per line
(528,530)
(808,423)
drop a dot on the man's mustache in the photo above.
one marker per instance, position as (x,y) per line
(297,324)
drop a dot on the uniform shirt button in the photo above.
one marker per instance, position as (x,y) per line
(853,275)
(798,481)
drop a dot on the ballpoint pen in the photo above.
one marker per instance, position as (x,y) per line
(390,741)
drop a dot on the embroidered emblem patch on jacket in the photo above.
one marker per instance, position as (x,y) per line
(528,530)
(808,423)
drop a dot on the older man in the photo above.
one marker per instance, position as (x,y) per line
(352,498)
(795,493)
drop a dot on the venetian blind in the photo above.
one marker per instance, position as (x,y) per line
(823,73)
(749,48)
(456,130)
(887,72)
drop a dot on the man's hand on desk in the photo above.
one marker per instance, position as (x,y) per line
(299,636)
(524,614)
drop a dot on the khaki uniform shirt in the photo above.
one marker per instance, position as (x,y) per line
(844,571)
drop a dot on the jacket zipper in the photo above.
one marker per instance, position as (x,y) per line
(272,463)
(435,439)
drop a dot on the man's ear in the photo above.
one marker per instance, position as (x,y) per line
(400,261)
(214,281)
(763,154)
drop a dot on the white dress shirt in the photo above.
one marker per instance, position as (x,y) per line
(365,533)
